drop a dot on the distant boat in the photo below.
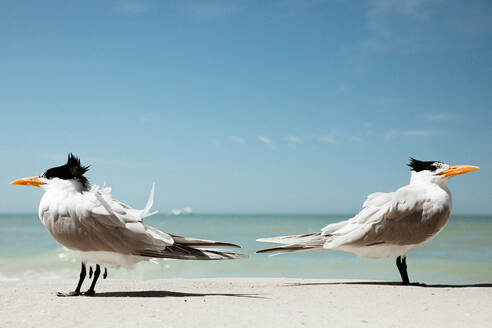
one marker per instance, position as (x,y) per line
(186,210)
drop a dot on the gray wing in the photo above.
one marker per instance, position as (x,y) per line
(101,223)
(385,218)
(149,242)
(97,222)
(92,232)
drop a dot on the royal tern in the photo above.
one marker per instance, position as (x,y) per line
(104,231)
(390,224)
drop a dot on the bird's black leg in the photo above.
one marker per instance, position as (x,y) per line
(402,268)
(105,274)
(90,272)
(76,292)
(91,290)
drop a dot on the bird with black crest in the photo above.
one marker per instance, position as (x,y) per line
(389,224)
(104,231)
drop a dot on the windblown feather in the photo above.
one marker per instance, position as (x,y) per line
(183,252)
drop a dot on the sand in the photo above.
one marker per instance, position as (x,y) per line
(245,302)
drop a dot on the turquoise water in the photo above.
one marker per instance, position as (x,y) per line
(461,253)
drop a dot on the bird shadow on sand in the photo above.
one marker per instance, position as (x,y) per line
(390,283)
(165,293)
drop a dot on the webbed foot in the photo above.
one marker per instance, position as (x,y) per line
(89,292)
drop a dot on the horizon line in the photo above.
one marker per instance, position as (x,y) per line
(256,213)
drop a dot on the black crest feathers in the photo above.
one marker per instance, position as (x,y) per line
(418,166)
(73,164)
(71,170)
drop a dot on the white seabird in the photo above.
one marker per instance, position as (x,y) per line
(390,224)
(105,231)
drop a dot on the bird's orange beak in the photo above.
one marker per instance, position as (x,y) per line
(30,181)
(458,169)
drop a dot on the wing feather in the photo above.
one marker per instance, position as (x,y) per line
(371,224)
(108,216)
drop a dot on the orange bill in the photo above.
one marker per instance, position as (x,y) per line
(458,169)
(30,181)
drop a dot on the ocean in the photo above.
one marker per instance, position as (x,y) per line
(460,254)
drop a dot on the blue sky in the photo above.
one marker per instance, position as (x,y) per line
(246,106)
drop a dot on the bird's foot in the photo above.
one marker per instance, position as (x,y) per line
(89,292)
(74,293)
(418,284)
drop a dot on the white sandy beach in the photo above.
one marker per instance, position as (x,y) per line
(244,302)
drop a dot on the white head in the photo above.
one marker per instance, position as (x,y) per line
(435,171)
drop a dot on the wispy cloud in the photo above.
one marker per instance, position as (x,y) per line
(132,6)
(237,140)
(295,139)
(302,139)
(420,133)
(385,24)
(327,138)
(266,141)
(356,139)
(411,133)
(383,14)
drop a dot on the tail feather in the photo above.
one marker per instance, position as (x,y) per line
(194,242)
(294,243)
(308,238)
(184,252)
(288,249)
